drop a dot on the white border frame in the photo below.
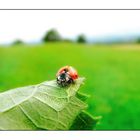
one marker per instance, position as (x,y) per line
(69,135)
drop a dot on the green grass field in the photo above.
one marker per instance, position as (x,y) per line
(112,76)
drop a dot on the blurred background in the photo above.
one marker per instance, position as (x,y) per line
(104,46)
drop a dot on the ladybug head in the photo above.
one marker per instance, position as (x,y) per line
(66,75)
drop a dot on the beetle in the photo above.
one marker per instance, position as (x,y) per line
(66,76)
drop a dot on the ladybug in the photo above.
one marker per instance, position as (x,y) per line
(66,76)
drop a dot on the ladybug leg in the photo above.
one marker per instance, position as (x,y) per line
(71,81)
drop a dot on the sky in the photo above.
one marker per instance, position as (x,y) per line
(30,26)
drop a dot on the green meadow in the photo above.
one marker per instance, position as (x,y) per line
(112,75)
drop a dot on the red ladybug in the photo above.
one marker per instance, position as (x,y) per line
(66,75)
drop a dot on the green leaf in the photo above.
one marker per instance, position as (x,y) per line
(43,106)
(82,96)
(85,121)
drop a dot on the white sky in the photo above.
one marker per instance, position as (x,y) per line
(30,26)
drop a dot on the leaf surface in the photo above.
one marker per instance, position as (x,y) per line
(43,106)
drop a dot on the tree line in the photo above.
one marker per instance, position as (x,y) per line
(53,35)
